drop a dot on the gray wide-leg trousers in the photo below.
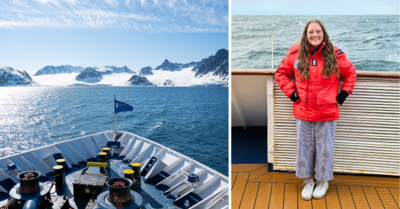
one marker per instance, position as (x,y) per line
(315,149)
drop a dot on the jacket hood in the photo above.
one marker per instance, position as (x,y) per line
(294,48)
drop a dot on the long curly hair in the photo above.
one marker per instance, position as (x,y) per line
(329,57)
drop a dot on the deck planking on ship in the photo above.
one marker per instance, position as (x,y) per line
(386,198)
(360,201)
(238,189)
(263,196)
(332,198)
(396,195)
(254,187)
(249,197)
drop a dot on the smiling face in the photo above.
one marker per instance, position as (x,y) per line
(315,35)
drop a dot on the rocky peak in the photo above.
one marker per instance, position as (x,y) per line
(137,80)
(166,61)
(218,64)
(169,82)
(50,69)
(14,77)
(145,71)
(167,66)
(107,70)
(89,75)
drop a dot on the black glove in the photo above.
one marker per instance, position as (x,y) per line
(342,96)
(293,97)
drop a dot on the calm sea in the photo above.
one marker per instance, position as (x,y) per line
(372,43)
(190,120)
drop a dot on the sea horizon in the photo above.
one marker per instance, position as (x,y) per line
(371,42)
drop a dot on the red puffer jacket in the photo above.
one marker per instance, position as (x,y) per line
(317,94)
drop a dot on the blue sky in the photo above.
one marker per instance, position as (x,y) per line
(315,7)
(135,33)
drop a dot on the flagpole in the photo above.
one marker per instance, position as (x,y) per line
(115,122)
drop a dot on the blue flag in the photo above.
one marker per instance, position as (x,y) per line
(121,107)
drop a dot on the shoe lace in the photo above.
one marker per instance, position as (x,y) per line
(308,182)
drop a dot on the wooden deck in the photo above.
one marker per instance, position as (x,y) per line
(253,187)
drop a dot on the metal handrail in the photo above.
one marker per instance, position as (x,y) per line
(372,74)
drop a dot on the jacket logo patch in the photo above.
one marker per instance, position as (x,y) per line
(295,64)
(314,62)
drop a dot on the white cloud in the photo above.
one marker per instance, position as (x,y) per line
(171,3)
(73,2)
(47,1)
(34,22)
(111,2)
(156,3)
(108,15)
(19,2)
(158,16)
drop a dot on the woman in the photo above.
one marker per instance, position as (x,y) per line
(317,66)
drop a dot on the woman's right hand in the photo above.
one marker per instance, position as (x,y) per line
(295,97)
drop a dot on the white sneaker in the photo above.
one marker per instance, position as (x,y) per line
(308,189)
(320,190)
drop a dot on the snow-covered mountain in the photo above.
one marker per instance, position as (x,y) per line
(210,71)
(168,82)
(169,66)
(107,70)
(145,71)
(58,69)
(217,65)
(14,77)
(136,80)
(89,75)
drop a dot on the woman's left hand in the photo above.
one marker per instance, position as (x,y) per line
(341,97)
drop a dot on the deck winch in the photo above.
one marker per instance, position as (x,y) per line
(120,195)
(29,188)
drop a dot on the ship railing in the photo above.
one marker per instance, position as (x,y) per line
(367,134)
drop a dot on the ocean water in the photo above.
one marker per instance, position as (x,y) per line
(190,120)
(372,43)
